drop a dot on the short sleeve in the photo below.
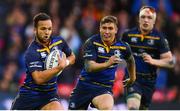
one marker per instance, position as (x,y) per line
(124,37)
(128,52)
(163,45)
(33,62)
(89,50)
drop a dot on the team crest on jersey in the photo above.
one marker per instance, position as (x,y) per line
(150,42)
(117,53)
(134,39)
(43,54)
(101,50)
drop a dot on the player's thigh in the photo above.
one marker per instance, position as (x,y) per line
(146,98)
(103,102)
(54,105)
(134,101)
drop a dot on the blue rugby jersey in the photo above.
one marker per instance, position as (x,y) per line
(35,60)
(153,43)
(96,50)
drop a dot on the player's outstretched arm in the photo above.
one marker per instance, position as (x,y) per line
(165,60)
(132,70)
(92,66)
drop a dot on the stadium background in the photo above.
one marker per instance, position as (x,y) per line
(76,20)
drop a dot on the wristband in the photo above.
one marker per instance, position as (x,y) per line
(67,62)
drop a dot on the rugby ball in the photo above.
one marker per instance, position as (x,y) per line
(52,59)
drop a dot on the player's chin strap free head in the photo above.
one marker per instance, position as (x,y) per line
(148,9)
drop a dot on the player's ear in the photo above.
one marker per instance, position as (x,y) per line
(116,29)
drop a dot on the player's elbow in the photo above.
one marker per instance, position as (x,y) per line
(88,69)
(167,56)
(73,59)
(38,80)
(90,66)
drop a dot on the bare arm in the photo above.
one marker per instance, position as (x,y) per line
(41,77)
(92,66)
(131,69)
(165,60)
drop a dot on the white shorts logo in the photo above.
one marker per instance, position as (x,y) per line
(72,105)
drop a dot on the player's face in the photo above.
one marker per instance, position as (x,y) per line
(43,31)
(108,32)
(146,20)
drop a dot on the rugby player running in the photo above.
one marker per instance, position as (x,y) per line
(39,90)
(151,51)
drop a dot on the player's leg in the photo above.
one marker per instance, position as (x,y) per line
(80,98)
(103,102)
(54,105)
(133,96)
(133,101)
(25,102)
(146,97)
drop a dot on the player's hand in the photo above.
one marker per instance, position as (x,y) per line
(147,58)
(128,82)
(62,61)
(114,59)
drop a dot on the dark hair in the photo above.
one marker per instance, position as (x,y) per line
(40,16)
(152,9)
(109,19)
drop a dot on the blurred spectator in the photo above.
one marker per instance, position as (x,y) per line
(76,20)
(70,34)
(123,19)
(174,77)
(29,34)
(177,58)
(177,32)
(90,17)
(107,8)
(7,82)
(164,6)
(54,11)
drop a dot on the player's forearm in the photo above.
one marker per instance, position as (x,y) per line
(163,63)
(165,60)
(95,67)
(41,77)
(131,68)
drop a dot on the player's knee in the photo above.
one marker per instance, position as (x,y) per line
(105,106)
(103,102)
(133,103)
(132,107)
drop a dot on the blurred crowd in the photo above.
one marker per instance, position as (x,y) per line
(75,21)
